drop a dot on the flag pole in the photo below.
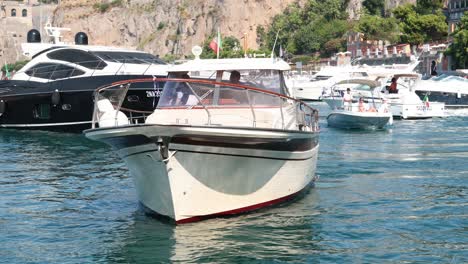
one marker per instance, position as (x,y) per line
(217,46)
(274,45)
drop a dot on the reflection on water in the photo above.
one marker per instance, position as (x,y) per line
(397,195)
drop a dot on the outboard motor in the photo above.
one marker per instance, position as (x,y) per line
(34,36)
(81,38)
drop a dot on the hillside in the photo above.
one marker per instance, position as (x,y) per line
(162,27)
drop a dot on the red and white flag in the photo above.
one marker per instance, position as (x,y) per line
(216,44)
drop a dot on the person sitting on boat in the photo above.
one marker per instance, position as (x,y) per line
(234,77)
(347,99)
(393,86)
(362,107)
(383,107)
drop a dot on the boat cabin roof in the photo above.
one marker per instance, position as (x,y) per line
(407,75)
(371,83)
(231,64)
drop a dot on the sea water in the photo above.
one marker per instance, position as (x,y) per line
(392,196)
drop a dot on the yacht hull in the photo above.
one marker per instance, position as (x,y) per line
(209,172)
(29,105)
(452,100)
(418,111)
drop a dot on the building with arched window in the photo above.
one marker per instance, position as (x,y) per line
(13,12)
(24,13)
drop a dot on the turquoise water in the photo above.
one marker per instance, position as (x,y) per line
(393,196)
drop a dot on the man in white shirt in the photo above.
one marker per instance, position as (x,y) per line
(347,100)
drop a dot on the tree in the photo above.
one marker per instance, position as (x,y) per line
(419,28)
(425,7)
(374,7)
(459,47)
(378,28)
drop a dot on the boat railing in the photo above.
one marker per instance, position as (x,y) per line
(66,70)
(224,104)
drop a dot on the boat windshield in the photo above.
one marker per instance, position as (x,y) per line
(264,79)
(200,88)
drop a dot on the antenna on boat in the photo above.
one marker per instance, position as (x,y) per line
(197,51)
(274,45)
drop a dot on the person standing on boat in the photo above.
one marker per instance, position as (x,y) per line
(348,100)
(433,68)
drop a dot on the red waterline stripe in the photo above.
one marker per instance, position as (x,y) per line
(241,210)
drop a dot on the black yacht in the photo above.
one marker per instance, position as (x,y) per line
(54,91)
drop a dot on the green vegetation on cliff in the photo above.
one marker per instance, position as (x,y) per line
(459,47)
(319,27)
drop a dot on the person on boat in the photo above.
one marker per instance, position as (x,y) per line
(433,68)
(393,86)
(362,107)
(347,99)
(383,107)
(234,77)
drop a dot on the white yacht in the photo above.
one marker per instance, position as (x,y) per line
(313,87)
(213,147)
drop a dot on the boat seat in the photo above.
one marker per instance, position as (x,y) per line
(104,105)
(108,116)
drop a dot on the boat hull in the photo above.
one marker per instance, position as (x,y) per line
(358,120)
(212,172)
(29,105)
(452,100)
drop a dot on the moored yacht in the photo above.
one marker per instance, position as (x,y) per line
(449,89)
(54,90)
(224,139)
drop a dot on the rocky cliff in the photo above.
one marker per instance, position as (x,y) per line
(168,26)
(164,26)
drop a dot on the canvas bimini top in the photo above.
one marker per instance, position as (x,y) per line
(231,64)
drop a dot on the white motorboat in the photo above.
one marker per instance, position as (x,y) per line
(313,87)
(358,120)
(404,104)
(358,115)
(212,147)
(317,85)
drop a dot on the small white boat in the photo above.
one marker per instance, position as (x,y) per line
(213,147)
(358,120)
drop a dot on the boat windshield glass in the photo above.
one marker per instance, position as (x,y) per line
(263,79)
(128,57)
(79,57)
(320,78)
(195,93)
